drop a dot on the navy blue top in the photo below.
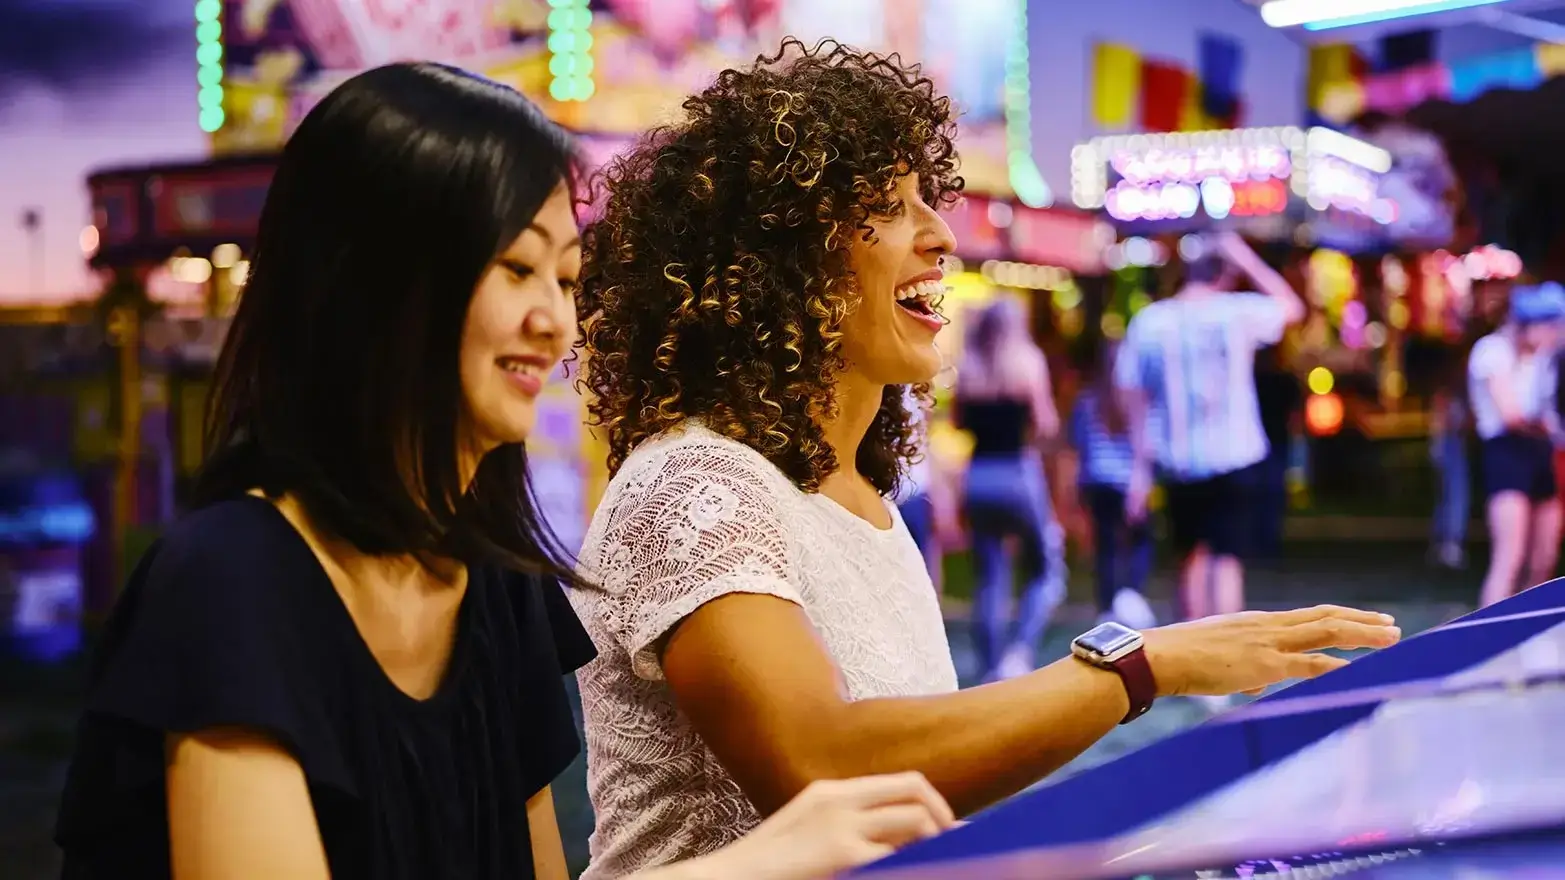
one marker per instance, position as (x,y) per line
(1000,427)
(230,621)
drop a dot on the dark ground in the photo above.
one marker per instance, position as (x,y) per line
(37,707)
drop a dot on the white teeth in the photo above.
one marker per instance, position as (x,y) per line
(519,367)
(927,290)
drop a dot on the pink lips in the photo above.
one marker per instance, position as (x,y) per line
(931,275)
(529,384)
(934,323)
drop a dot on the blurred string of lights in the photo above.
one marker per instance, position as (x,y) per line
(1031,189)
(209,63)
(570,50)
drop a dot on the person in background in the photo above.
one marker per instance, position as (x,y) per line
(1123,547)
(1450,423)
(921,496)
(347,661)
(1281,399)
(1187,370)
(1511,385)
(1004,401)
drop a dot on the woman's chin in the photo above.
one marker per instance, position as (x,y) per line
(509,432)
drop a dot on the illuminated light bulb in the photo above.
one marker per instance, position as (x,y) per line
(224,256)
(1320,15)
(1218,196)
(239,273)
(1026,180)
(89,240)
(1067,297)
(1323,414)
(209,64)
(1321,381)
(1112,325)
(569,41)
(1398,314)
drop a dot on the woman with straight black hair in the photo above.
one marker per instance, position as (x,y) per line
(348,660)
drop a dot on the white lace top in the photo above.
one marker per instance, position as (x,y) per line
(692,516)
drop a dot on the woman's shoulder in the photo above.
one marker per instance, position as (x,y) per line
(695,451)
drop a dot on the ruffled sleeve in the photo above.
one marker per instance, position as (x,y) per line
(208,635)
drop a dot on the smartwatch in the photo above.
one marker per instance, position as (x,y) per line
(1120,650)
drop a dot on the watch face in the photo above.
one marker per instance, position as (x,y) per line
(1109,640)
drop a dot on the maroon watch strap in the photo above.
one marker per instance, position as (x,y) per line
(1140,686)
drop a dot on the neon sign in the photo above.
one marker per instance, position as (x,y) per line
(1254,172)
(1484,263)
(1217,197)
(1189,165)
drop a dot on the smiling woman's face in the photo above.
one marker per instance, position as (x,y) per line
(521,322)
(889,337)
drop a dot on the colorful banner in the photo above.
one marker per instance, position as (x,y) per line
(1340,90)
(1116,85)
(1165,93)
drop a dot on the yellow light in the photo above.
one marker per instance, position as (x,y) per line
(1398,314)
(1113,326)
(224,256)
(1321,381)
(968,287)
(1394,385)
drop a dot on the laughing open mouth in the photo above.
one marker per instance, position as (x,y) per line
(920,298)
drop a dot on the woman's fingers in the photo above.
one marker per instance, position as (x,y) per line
(867,792)
(1339,612)
(1336,632)
(1311,665)
(898,824)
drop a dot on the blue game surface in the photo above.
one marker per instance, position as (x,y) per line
(1411,762)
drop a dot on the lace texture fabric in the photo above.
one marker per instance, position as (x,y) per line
(690,517)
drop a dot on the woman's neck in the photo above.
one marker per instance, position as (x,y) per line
(394,573)
(858,402)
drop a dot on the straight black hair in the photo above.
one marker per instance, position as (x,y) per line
(339,381)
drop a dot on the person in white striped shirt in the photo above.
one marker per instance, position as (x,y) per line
(1186,371)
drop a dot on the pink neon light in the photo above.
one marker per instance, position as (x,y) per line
(1193,165)
(1482,264)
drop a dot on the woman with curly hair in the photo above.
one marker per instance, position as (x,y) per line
(762,287)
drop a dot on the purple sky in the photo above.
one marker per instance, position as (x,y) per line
(55,128)
(86,84)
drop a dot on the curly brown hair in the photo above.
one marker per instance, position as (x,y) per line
(717,278)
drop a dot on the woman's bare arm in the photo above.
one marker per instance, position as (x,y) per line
(543,828)
(239,809)
(1046,417)
(754,679)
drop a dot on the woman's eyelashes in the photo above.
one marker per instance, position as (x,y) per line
(518,271)
(521,272)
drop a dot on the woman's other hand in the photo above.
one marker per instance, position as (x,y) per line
(1253,650)
(835,825)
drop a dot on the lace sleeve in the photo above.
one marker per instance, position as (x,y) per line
(686,525)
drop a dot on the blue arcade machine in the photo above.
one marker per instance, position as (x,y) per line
(1442,758)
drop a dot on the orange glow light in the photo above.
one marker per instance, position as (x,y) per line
(1323,414)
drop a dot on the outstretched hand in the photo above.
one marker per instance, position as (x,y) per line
(1253,650)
